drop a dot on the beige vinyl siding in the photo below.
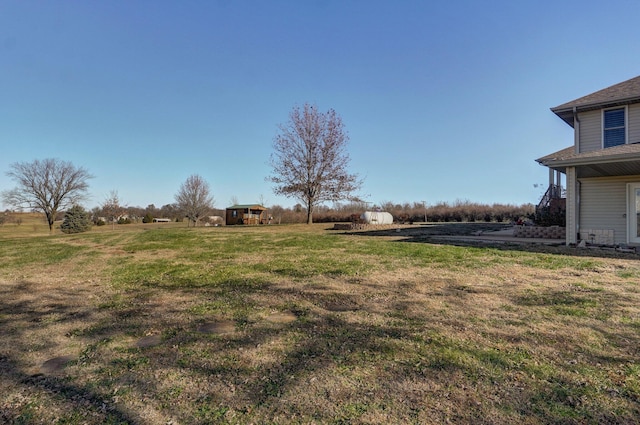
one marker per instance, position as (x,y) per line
(591,128)
(590,131)
(571,214)
(603,205)
(633,118)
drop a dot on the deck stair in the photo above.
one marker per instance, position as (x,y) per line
(554,192)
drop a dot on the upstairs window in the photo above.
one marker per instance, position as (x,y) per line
(614,127)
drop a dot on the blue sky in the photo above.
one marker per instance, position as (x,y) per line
(442,101)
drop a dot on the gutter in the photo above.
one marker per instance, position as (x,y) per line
(576,127)
(564,113)
(591,160)
(597,105)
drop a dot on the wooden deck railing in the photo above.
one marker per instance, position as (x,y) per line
(553,192)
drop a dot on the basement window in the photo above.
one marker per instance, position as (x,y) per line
(614,130)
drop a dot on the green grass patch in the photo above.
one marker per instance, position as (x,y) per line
(36,251)
(296,324)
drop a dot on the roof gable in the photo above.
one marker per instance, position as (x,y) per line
(622,93)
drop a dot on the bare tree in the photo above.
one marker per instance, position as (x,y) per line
(112,208)
(310,159)
(49,185)
(194,198)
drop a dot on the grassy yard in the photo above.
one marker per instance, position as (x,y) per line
(301,324)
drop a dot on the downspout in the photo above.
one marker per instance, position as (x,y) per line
(576,127)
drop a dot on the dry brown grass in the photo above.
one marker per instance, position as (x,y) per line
(300,325)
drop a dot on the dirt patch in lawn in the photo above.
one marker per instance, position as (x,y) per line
(218,327)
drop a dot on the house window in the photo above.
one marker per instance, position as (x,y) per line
(614,127)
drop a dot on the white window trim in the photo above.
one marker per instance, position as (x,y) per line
(626,124)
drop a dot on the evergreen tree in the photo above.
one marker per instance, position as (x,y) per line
(76,220)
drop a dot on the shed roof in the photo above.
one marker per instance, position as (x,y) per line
(246,206)
(622,93)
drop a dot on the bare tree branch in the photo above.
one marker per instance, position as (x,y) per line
(310,160)
(49,185)
(194,198)
(112,208)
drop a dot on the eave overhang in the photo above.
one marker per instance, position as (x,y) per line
(567,113)
(624,93)
(616,161)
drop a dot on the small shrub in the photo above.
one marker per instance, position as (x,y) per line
(547,217)
(76,220)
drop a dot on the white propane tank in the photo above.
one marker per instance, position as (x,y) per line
(377,217)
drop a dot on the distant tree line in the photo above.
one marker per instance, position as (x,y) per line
(458,211)
(137,214)
(56,187)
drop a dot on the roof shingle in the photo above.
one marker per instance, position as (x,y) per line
(622,93)
(569,155)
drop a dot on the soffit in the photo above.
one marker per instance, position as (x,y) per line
(616,161)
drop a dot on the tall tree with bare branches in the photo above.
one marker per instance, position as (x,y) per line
(310,160)
(112,208)
(194,198)
(48,185)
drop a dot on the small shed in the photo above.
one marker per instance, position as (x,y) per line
(247,214)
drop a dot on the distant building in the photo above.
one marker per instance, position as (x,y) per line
(247,214)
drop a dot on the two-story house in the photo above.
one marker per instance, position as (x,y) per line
(602,167)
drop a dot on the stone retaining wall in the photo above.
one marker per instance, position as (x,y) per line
(540,232)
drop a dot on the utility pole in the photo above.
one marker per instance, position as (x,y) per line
(424,203)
